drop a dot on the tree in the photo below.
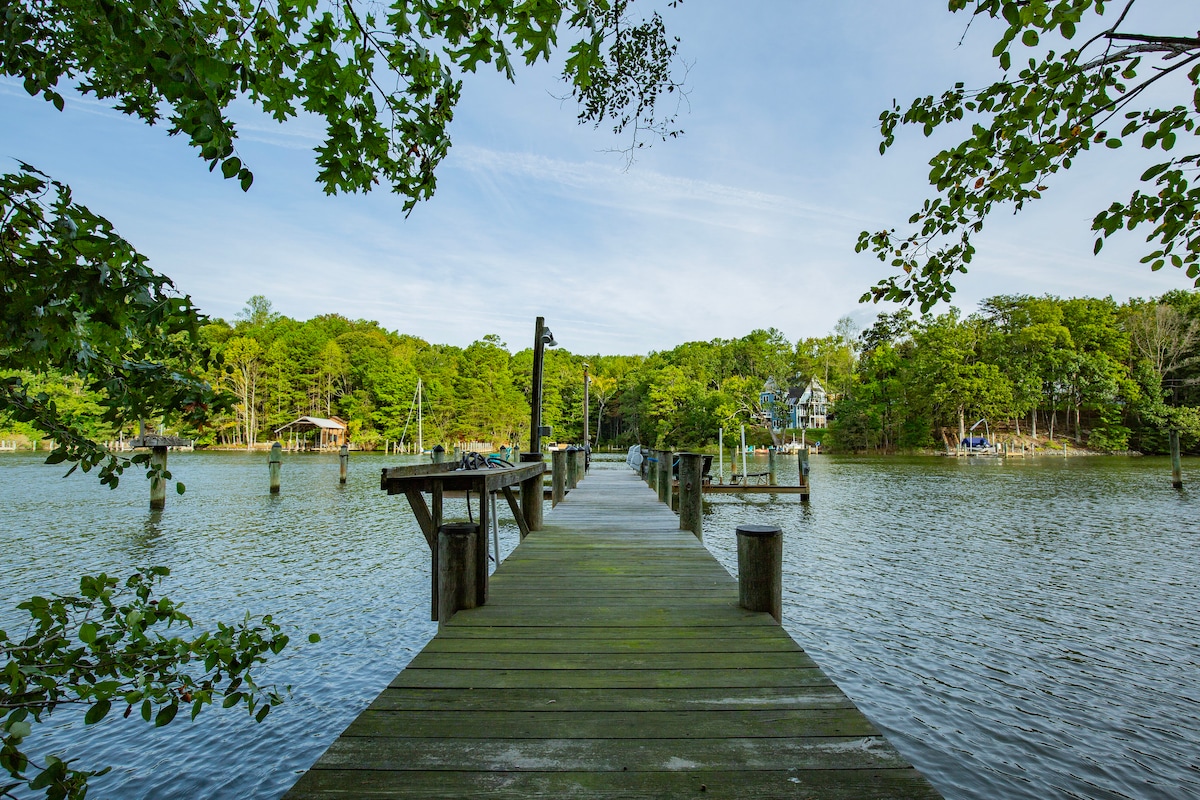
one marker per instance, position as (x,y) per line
(1029,126)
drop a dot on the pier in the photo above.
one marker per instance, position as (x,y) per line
(611,659)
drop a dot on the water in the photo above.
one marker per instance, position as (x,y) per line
(1020,629)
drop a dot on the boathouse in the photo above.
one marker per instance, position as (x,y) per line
(330,434)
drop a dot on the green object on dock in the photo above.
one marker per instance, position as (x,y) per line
(611,659)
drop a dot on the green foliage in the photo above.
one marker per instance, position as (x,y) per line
(111,649)
(1028,126)
(78,302)
(384,80)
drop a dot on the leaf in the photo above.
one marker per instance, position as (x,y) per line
(179,487)
(314,638)
(231,166)
(165,715)
(87,632)
(1029,38)
(97,712)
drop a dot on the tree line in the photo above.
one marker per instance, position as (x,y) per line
(1104,375)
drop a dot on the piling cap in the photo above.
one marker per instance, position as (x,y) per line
(459,528)
(758,530)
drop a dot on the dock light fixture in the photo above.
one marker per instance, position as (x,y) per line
(542,338)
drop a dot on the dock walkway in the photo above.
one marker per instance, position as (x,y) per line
(611,660)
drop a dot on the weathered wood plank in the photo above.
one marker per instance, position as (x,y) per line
(601,678)
(610,699)
(887,784)
(616,644)
(495,660)
(616,755)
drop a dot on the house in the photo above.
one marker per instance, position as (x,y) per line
(808,407)
(331,433)
(800,407)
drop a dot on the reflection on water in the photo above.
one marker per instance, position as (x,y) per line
(1019,629)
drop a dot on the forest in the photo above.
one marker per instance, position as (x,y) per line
(1100,375)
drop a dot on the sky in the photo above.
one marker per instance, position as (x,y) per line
(747,221)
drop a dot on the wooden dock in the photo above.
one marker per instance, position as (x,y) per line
(611,660)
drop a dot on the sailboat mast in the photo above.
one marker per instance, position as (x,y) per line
(420,422)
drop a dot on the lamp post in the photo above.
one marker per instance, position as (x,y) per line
(542,338)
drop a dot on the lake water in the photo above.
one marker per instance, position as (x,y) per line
(1020,629)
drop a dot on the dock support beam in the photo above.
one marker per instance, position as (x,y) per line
(691,493)
(772,474)
(531,494)
(559,466)
(274,462)
(760,569)
(456,568)
(158,484)
(580,465)
(343,463)
(1176,467)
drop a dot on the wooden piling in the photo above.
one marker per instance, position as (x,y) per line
(772,475)
(456,569)
(274,462)
(664,476)
(691,493)
(572,468)
(760,569)
(580,465)
(343,463)
(803,456)
(1176,466)
(558,465)
(532,495)
(158,484)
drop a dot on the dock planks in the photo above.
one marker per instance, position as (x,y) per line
(611,660)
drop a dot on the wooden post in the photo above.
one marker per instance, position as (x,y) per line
(572,468)
(274,462)
(760,569)
(158,484)
(1176,467)
(691,494)
(439,454)
(343,462)
(771,477)
(532,495)
(664,476)
(558,463)
(803,454)
(456,569)
(580,465)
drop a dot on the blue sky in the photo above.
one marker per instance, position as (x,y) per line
(748,221)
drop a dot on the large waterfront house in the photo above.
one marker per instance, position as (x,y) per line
(799,407)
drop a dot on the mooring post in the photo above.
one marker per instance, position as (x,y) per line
(274,462)
(580,465)
(1176,467)
(532,494)
(760,569)
(691,493)
(771,476)
(572,468)
(158,484)
(558,464)
(343,463)
(804,473)
(664,476)
(438,454)
(456,569)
